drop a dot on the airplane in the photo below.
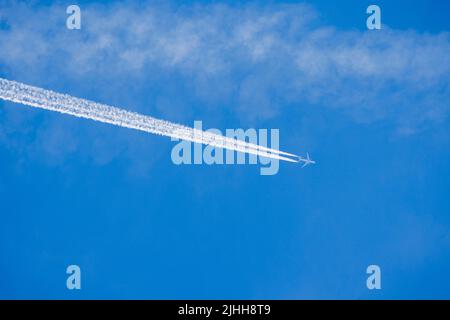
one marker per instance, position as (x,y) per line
(307,161)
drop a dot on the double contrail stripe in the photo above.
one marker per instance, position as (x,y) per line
(49,100)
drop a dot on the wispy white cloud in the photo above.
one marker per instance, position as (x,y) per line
(274,50)
(257,58)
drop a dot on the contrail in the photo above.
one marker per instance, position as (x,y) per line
(49,100)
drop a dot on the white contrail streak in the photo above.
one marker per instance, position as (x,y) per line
(49,100)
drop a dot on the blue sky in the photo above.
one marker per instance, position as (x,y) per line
(371,107)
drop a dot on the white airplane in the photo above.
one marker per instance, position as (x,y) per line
(306,161)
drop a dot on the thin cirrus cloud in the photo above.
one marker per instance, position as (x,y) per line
(257,60)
